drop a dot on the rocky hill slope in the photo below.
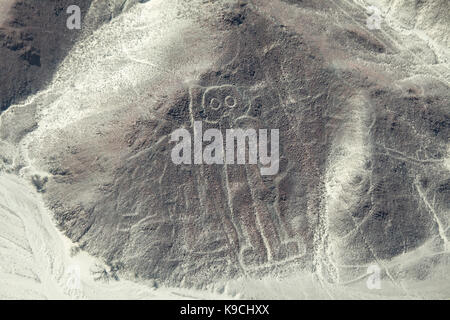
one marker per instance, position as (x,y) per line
(363,116)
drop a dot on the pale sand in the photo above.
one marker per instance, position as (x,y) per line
(5,6)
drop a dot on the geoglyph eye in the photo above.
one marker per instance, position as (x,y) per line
(220,101)
(230,102)
(215,104)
